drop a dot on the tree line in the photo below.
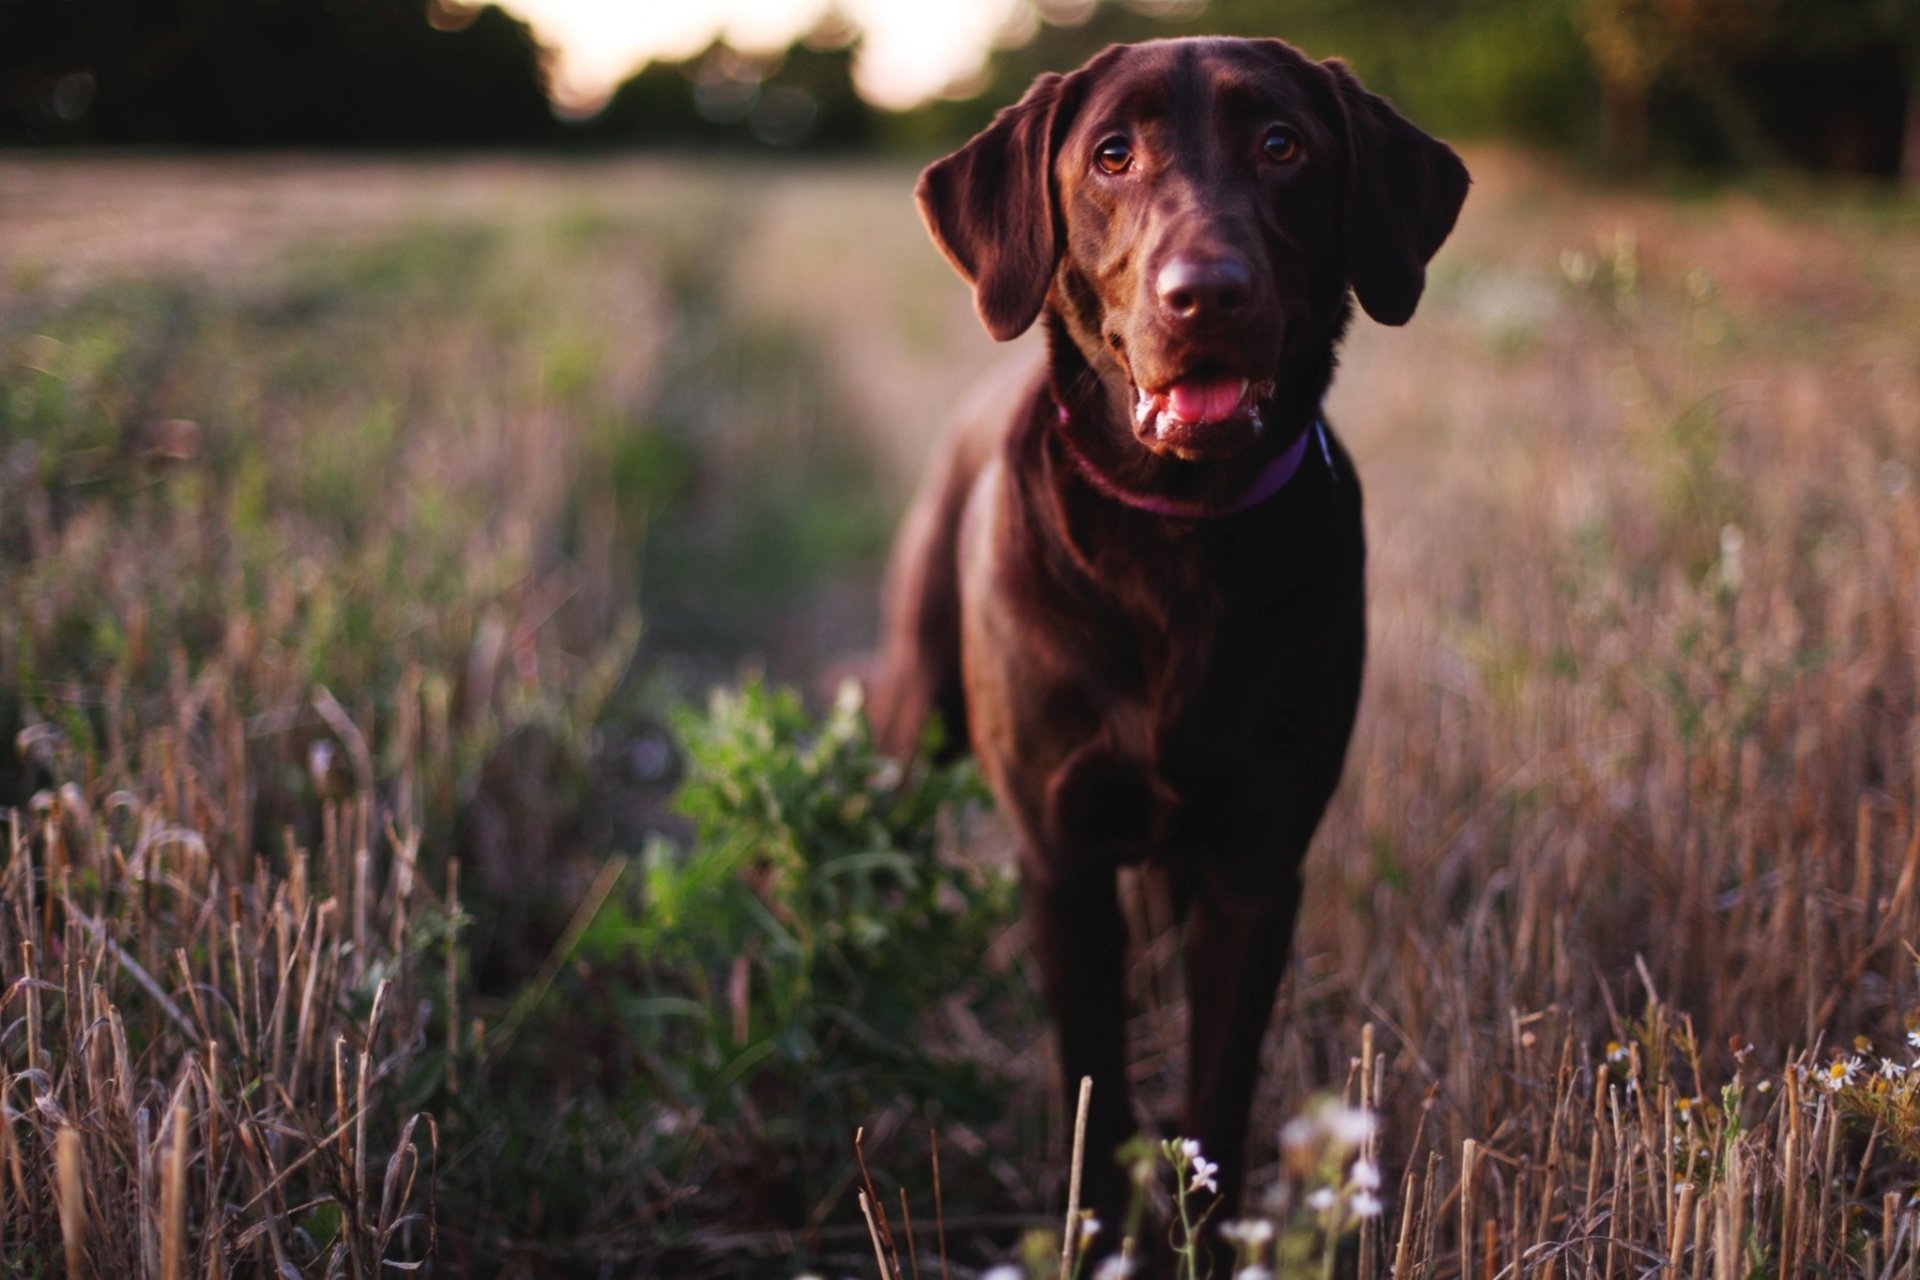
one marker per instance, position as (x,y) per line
(1829,84)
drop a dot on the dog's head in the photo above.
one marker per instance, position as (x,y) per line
(1194,213)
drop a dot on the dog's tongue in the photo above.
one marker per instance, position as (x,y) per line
(1205,399)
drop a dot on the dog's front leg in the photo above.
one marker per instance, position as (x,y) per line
(1239,934)
(1079,940)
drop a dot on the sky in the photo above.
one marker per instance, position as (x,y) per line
(912,48)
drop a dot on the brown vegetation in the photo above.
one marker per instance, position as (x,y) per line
(1637,762)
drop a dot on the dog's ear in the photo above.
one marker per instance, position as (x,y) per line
(990,208)
(1404,190)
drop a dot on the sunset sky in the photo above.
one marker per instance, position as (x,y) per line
(913,48)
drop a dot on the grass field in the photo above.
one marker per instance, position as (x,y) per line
(382,889)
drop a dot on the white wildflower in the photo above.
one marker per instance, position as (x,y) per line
(1840,1073)
(1891,1070)
(1323,1200)
(1253,1273)
(1350,1126)
(1365,1204)
(1365,1175)
(1089,1228)
(1298,1133)
(1003,1272)
(1203,1171)
(1114,1268)
(1189,1149)
(1251,1232)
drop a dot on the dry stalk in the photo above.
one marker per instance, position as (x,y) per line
(1070,1234)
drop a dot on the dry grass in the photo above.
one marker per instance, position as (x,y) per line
(1640,744)
(200,1088)
(1638,761)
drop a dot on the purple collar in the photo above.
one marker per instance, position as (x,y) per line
(1271,480)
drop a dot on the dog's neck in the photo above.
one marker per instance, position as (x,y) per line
(1267,482)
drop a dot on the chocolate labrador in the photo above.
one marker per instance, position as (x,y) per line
(1139,593)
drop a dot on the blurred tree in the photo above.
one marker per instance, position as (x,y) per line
(803,97)
(653,106)
(1835,84)
(1461,67)
(1630,48)
(264,72)
(1823,83)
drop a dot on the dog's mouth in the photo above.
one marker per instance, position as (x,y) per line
(1204,414)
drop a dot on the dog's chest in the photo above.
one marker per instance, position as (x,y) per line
(1177,712)
(1136,689)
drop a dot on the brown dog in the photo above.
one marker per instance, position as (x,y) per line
(1141,594)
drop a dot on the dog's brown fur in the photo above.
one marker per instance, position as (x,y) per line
(1143,688)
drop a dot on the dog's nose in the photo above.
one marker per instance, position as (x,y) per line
(1194,289)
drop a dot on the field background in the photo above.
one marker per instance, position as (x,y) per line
(370,534)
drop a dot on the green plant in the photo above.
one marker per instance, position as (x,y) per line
(783,974)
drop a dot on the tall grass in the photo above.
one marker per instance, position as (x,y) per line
(203,1058)
(334,730)
(318,590)
(235,977)
(1639,751)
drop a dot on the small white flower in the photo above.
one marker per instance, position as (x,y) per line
(1765,1086)
(1323,1200)
(1089,1228)
(1189,1149)
(1351,1126)
(1365,1175)
(1203,1171)
(1114,1268)
(1251,1232)
(1840,1073)
(1891,1070)
(1365,1205)
(1913,1039)
(1298,1133)
(1253,1273)
(1003,1272)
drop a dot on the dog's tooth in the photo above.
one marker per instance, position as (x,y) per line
(1253,416)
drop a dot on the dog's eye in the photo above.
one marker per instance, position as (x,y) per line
(1114,156)
(1281,145)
